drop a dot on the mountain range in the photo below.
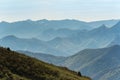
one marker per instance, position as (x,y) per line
(32,44)
(42,28)
(97,63)
(89,47)
(108,23)
(29,28)
(65,42)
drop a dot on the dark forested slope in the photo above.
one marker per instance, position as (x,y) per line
(15,66)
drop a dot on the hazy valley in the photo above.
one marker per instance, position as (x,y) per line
(89,47)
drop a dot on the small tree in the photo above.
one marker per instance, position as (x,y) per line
(79,73)
(8,49)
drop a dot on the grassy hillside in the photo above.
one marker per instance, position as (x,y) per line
(15,66)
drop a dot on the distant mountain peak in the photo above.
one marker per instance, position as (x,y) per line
(103,26)
(28,20)
(115,46)
(9,37)
(4,22)
(116,25)
(43,20)
(58,39)
(118,22)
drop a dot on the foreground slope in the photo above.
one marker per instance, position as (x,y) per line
(15,66)
(99,64)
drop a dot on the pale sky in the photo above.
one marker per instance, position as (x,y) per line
(85,10)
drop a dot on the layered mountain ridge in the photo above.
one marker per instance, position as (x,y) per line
(65,42)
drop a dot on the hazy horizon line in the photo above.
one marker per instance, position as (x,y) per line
(56,20)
